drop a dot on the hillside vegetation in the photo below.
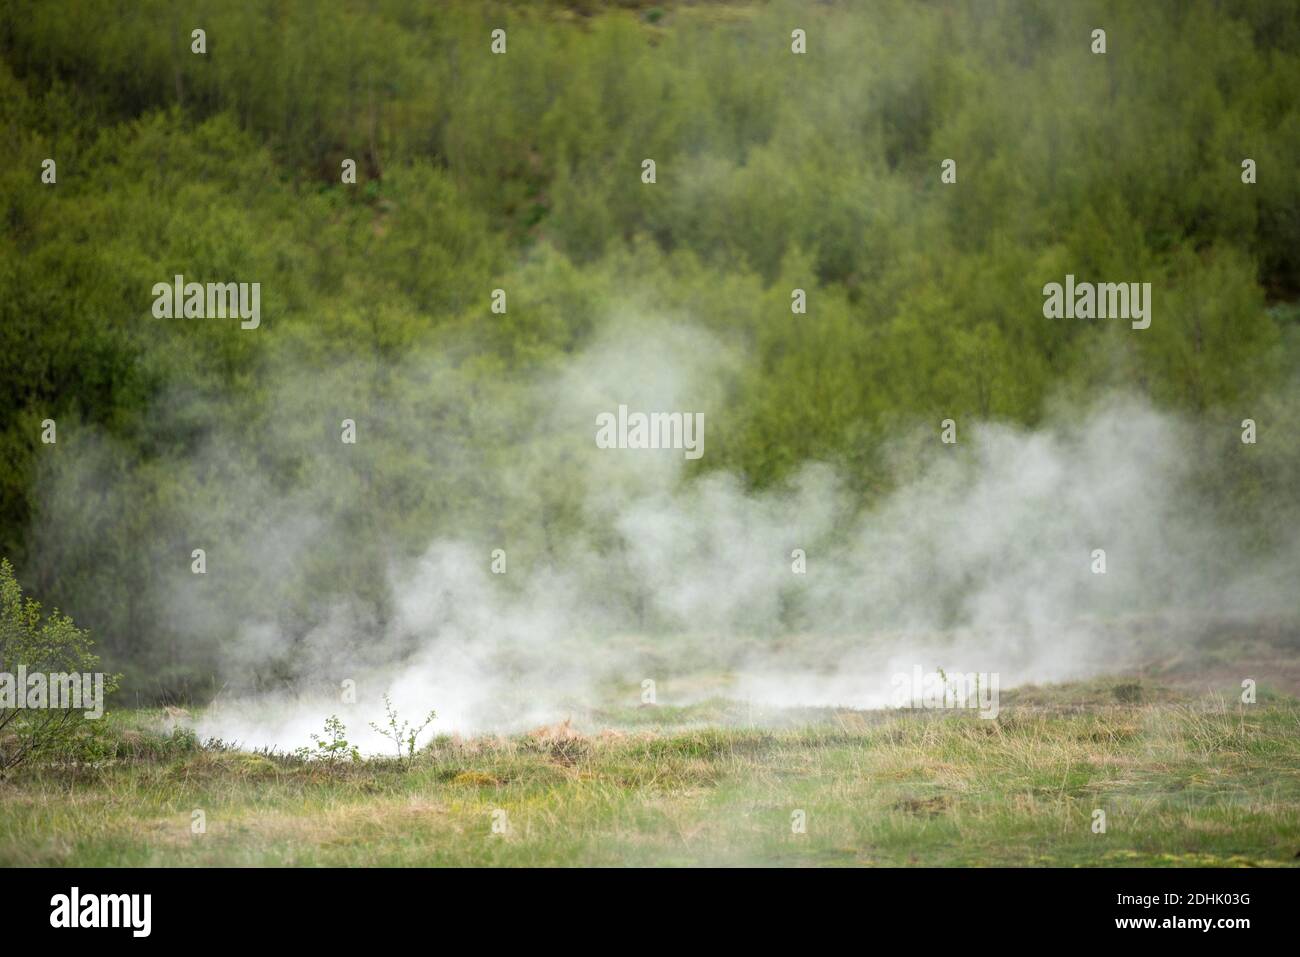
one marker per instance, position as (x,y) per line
(522,172)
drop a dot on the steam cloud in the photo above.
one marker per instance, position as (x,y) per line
(979,559)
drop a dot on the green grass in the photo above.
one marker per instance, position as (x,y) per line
(1183,779)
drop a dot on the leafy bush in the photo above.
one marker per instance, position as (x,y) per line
(402,734)
(41,645)
(334,748)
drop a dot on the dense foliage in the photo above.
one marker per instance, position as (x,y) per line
(37,718)
(522,171)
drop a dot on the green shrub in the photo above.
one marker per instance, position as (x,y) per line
(43,646)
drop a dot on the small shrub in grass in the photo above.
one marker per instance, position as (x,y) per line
(334,748)
(403,735)
(46,645)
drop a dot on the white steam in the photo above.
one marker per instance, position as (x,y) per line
(980,560)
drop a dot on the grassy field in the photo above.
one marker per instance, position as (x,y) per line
(1185,778)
